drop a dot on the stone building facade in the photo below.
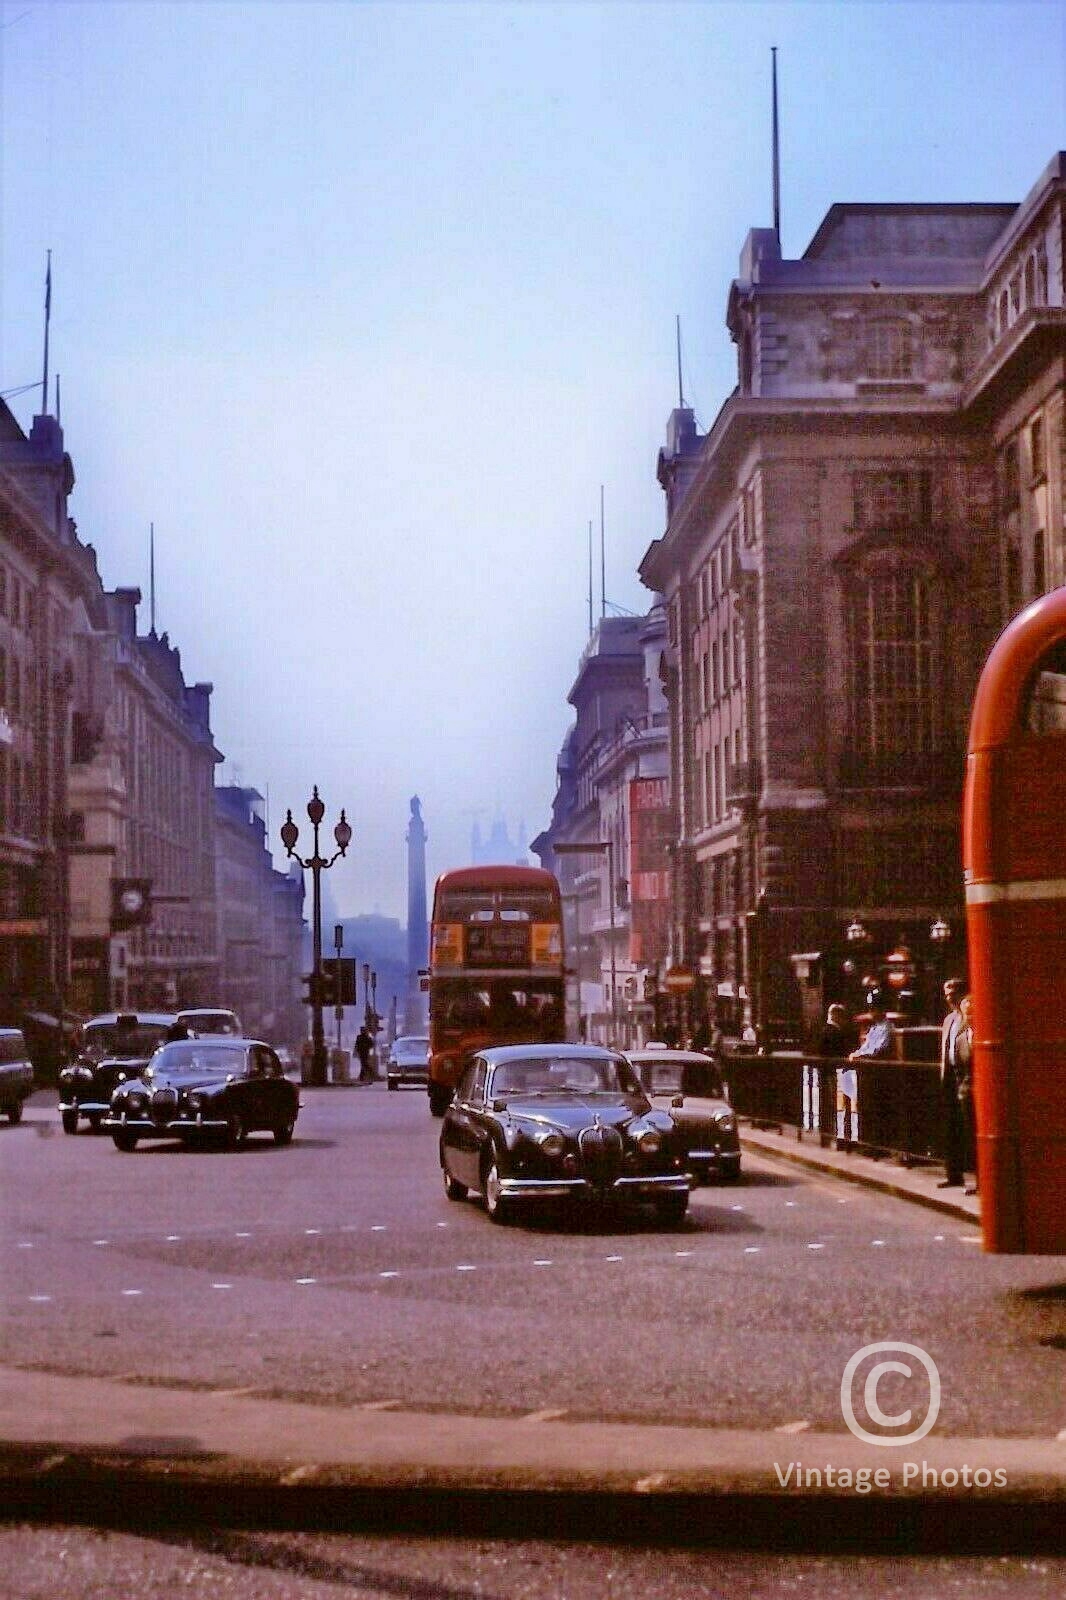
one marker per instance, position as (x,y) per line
(260,922)
(880,493)
(613,785)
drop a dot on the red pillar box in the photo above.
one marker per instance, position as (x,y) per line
(1014,856)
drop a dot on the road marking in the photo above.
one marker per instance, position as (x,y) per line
(388,1274)
(612,1258)
(172,1238)
(655,1480)
(1061,1436)
(234,1394)
(378,1405)
(970,1238)
(877,1241)
(222,1286)
(543,1262)
(312,1230)
(466,1268)
(442,1224)
(133,1291)
(751,1249)
(682,1252)
(298,1474)
(101,1241)
(378,1227)
(793,1427)
(242,1236)
(305,1280)
(549,1414)
(39,1299)
(736,1208)
(24,1244)
(816,1247)
(938,1238)
(790,1202)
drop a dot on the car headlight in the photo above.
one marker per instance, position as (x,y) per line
(553,1144)
(725,1120)
(67,1075)
(649,1142)
(84,1073)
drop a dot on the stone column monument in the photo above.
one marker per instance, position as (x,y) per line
(416,1008)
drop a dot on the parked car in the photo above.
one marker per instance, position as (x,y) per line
(689,1086)
(539,1122)
(408,1061)
(205,1088)
(16,1073)
(211,1020)
(114,1046)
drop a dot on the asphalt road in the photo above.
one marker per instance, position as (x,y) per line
(337,1270)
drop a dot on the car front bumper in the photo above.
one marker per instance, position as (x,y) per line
(640,1186)
(85,1108)
(419,1075)
(704,1161)
(162,1130)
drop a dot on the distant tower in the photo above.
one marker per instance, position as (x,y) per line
(415,1009)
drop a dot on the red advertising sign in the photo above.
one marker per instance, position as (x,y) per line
(651,829)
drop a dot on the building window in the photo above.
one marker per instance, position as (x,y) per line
(890,668)
(889,350)
(1009,475)
(891,499)
(1037,452)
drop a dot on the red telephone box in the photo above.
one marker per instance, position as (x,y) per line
(1014,856)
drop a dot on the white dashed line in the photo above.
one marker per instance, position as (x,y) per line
(751,1249)
(133,1291)
(378,1227)
(682,1252)
(970,1238)
(442,1224)
(877,1241)
(388,1274)
(222,1286)
(938,1238)
(543,1263)
(242,1236)
(793,1427)
(736,1208)
(790,1202)
(24,1244)
(612,1258)
(312,1230)
(39,1299)
(816,1247)
(101,1241)
(378,1405)
(171,1238)
(549,1414)
(305,1280)
(465,1267)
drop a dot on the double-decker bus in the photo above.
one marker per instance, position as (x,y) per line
(496,972)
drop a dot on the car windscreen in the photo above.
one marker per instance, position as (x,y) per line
(201,1056)
(218,1022)
(411,1046)
(128,1041)
(681,1077)
(565,1075)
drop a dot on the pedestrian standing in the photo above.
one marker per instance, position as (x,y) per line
(364,1049)
(952,1120)
(964,1078)
(839,1038)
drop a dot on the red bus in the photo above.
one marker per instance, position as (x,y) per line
(496,973)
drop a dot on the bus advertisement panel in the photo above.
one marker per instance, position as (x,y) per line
(496,972)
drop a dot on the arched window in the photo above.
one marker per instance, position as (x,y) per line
(892,713)
(889,349)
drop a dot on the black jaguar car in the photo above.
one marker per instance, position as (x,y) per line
(205,1088)
(543,1122)
(112,1047)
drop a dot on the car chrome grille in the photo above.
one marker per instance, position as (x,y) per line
(601,1154)
(164,1105)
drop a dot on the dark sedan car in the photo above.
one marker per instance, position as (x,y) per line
(559,1122)
(205,1088)
(689,1086)
(114,1046)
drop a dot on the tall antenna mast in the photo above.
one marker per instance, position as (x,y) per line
(59,409)
(47,320)
(590,577)
(680,385)
(151,576)
(603,559)
(776,147)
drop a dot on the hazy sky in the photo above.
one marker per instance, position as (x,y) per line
(361,303)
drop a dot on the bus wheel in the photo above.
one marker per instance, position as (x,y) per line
(440,1098)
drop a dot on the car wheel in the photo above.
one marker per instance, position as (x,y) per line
(96,1119)
(496,1206)
(70,1122)
(124,1140)
(393,1084)
(14,1113)
(440,1098)
(236,1132)
(670,1210)
(283,1131)
(452,1188)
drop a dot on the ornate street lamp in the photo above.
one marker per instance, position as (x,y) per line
(316,864)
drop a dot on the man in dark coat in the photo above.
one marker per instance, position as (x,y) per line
(952,1118)
(364,1049)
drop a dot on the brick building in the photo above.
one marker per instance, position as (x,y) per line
(878,495)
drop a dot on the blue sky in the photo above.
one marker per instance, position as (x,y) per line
(361,303)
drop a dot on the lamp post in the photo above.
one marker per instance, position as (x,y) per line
(316,864)
(366,995)
(601,847)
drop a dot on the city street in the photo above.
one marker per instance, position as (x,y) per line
(337,1271)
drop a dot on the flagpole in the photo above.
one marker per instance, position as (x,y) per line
(47,319)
